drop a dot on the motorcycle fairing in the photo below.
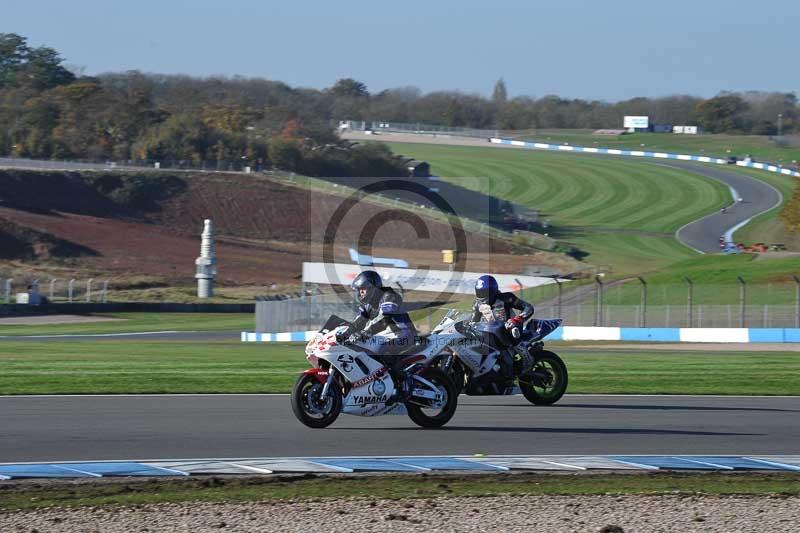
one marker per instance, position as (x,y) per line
(541,328)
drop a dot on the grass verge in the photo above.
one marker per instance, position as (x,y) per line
(139,322)
(23,496)
(117,366)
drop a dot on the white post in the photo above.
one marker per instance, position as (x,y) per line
(207,262)
(70,289)
(89,289)
(52,288)
(7,291)
(105,291)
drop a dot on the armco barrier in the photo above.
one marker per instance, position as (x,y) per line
(769,168)
(640,153)
(579,333)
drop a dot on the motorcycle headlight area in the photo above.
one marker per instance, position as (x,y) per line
(311,347)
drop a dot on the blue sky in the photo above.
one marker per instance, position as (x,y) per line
(608,50)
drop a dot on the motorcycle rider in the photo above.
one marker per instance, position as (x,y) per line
(491,305)
(380,314)
(381,317)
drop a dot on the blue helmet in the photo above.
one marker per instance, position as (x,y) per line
(371,282)
(486,289)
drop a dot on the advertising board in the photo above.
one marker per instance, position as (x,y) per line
(417,279)
(636,122)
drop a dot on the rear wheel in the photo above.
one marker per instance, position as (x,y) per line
(434,416)
(547,381)
(309,408)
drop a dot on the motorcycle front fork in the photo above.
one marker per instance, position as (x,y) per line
(447,364)
(325,388)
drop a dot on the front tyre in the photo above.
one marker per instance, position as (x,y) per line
(435,416)
(309,408)
(547,381)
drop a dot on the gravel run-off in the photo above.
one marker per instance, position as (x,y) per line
(606,513)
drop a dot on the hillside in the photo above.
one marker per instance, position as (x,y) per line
(145,226)
(619,214)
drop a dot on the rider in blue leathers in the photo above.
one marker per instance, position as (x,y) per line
(491,305)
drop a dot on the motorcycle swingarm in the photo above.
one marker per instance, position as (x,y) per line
(430,395)
(427,394)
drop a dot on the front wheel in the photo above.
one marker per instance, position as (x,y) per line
(547,381)
(439,415)
(309,408)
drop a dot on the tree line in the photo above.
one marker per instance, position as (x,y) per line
(48,111)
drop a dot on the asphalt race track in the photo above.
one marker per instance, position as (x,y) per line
(39,428)
(757,197)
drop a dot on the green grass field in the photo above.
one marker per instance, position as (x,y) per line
(140,322)
(722,145)
(622,213)
(116,366)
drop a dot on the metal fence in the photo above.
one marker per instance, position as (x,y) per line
(309,313)
(416,128)
(674,316)
(636,303)
(300,314)
(53,290)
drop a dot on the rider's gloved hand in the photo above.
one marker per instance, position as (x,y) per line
(512,325)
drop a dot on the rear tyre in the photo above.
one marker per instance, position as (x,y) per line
(309,408)
(547,381)
(432,417)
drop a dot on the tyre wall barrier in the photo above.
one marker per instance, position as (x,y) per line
(640,153)
(580,333)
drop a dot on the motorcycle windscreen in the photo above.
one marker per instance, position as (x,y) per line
(334,322)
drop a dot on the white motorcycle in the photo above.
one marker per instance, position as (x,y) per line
(353,379)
